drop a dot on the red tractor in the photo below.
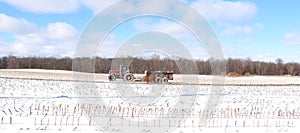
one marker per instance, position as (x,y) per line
(123,73)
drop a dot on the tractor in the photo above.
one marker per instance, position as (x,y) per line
(122,73)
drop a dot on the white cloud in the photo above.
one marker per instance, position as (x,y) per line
(242,30)
(44,40)
(60,31)
(109,47)
(177,31)
(28,46)
(292,38)
(97,5)
(226,11)
(265,56)
(45,6)
(168,27)
(15,25)
(59,6)
(63,49)
(56,39)
(216,10)
(2,49)
(18,48)
(30,39)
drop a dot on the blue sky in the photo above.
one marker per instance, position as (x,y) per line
(259,29)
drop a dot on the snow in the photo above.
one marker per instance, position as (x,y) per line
(50,101)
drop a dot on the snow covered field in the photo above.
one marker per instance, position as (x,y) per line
(49,101)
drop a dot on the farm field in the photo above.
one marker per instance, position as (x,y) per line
(51,101)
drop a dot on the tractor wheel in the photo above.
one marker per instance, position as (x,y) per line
(111,77)
(128,77)
(165,80)
(157,80)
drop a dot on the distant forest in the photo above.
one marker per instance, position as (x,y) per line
(139,65)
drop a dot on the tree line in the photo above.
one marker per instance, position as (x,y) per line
(156,63)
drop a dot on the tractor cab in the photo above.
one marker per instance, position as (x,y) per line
(124,69)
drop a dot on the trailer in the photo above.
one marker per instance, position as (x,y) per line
(158,76)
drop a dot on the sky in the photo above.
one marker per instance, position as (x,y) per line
(256,29)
